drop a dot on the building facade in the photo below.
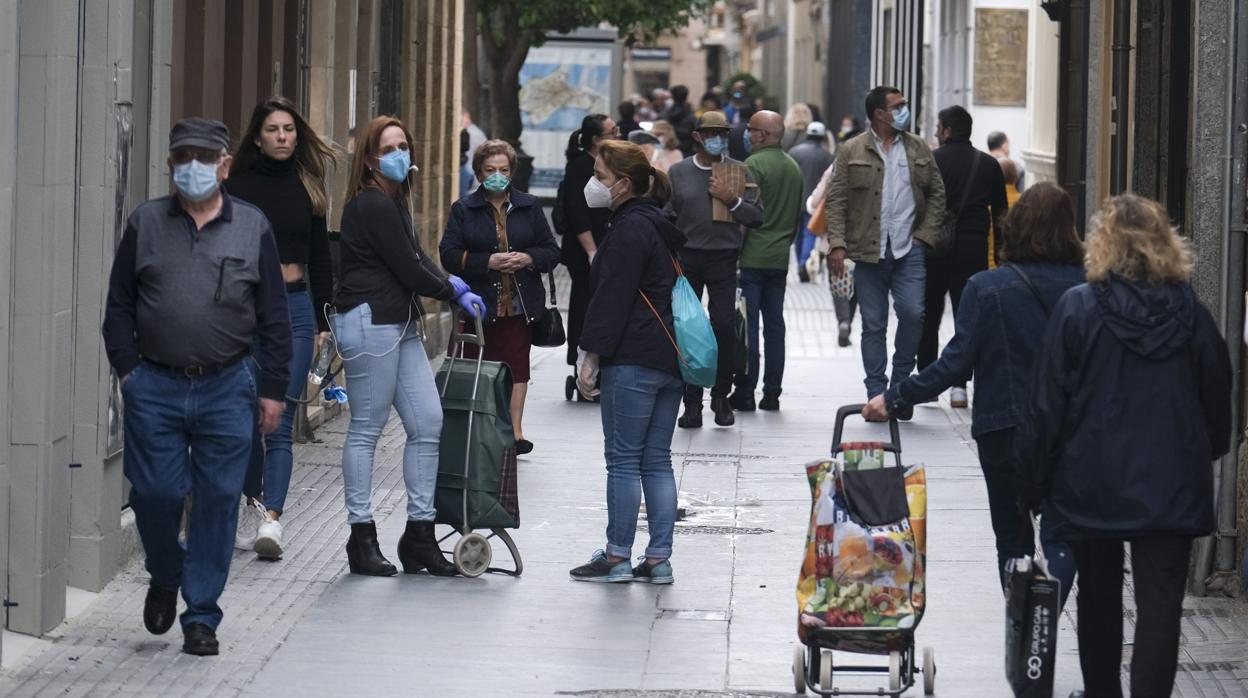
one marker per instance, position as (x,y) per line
(88,92)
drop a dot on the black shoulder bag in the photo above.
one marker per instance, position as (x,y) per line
(548,331)
(949,228)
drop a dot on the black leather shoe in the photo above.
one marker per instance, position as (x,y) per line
(692,418)
(723,412)
(364,554)
(842,334)
(906,413)
(770,402)
(524,447)
(199,640)
(159,610)
(418,550)
(742,402)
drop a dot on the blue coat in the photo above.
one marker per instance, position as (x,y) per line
(999,323)
(470,238)
(636,257)
(1131,402)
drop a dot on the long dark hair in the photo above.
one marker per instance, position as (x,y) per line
(312,156)
(582,139)
(626,159)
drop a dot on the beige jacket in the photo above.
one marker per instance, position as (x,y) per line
(852,206)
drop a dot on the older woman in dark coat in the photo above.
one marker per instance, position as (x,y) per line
(498,240)
(1131,402)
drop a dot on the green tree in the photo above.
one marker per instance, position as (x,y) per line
(511,27)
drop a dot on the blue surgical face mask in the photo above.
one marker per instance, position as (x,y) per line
(901,118)
(745,140)
(196,180)
(715,145)
(396,164)
(496,183)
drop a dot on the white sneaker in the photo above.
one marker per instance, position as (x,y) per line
(957,398)
(248,523)
(269,538)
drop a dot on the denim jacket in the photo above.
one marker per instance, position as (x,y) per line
(997,335)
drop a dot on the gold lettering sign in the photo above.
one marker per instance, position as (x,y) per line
(1001,57)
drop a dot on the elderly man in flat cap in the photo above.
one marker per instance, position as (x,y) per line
(195,281)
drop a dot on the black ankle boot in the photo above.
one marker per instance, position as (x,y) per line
(418,549)
(364,554)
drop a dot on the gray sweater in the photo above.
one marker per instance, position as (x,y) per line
(692,204)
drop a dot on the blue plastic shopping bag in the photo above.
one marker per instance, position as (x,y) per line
(699,352)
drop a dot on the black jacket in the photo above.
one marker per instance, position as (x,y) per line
(470,238)
(680,115)
(1130,403)
(575,216)
(955,159)
(382,261)
(635,258)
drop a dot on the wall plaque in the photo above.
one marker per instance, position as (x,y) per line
(1000,57)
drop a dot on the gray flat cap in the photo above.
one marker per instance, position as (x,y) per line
(195,132)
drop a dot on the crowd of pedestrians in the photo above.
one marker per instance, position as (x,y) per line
(1102,386)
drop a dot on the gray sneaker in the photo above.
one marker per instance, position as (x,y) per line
(600,569)
(653,574)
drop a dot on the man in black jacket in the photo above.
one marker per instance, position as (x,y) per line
(973,181)
(680,115)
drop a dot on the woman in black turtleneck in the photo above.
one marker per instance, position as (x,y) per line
(279,167)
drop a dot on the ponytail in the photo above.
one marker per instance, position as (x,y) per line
(574,145)
(660,187)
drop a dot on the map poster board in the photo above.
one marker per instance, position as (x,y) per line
(1000,57)
(561,83)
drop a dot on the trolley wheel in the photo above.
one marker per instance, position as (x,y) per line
(472,555)
(929,671)
(894,671)
(799,670)
(825,672)
(569,388)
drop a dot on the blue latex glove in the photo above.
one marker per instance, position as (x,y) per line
(461,287)
(471,303)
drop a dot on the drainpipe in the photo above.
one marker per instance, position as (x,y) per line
(1121,91)
(1237,216)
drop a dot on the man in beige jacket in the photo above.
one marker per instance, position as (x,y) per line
(884,207)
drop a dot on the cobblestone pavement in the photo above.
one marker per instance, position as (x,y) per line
(303,626)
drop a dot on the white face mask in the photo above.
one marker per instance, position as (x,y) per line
(597,194)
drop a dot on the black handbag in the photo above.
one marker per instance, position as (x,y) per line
(548,330)
(948,237)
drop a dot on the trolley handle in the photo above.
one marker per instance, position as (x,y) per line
(464,337)
(893,447)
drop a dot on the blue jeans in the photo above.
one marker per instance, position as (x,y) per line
(387,366)
(188,436)
(639,407)
(273,456)
(906,279)
(763,290)
(804,241)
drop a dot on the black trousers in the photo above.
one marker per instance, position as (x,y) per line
(578,305)
(1159,571)
(948,275)
(716,272)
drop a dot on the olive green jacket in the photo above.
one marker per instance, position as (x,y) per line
(853,202)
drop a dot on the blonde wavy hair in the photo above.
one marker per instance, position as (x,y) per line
(1131,237)
(798,117)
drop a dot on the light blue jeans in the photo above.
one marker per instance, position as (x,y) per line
(387,367)
(639,407)
(906,280)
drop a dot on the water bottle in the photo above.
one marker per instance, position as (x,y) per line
(323,358)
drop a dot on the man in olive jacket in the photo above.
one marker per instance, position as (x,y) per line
(885,204)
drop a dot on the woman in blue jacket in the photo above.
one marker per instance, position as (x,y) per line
(1001,314)
(1131,403)
(629,333)
(497,239)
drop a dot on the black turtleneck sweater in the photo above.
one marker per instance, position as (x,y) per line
(274,187)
